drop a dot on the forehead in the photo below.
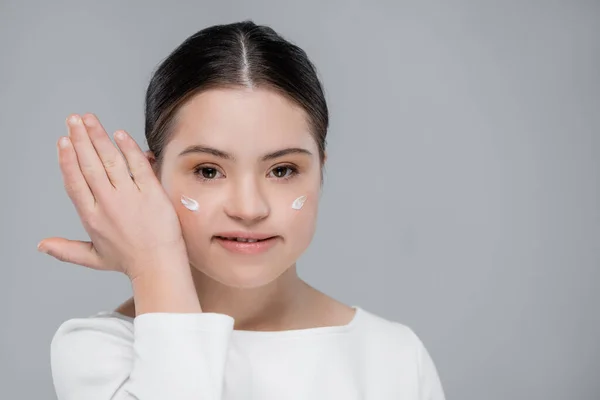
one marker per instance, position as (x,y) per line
(242,121)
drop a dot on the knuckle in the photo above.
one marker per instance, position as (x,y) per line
(136,163)
(87,168)
(110,163)
(61,256)
(71,189)
(141,165)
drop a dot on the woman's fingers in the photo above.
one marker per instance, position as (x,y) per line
(110,157)
(125,226)
(73,180)
(140,167)
(89,161)
(72,251)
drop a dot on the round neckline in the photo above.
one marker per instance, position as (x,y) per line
(286,333)
(320,330)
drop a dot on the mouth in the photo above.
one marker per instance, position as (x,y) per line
(246,243)
(243,240)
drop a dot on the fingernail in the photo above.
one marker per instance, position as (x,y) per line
(63,142)
(88,120)
(41,248)
(74,119)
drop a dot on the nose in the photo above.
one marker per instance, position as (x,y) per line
(247,202)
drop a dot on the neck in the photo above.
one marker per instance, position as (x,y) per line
(275,306)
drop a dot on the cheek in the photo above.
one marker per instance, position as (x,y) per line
(205,207)
(300,223)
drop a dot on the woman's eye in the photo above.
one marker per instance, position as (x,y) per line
(283,172)
(207,173)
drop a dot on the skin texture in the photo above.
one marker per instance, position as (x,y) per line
(243,193)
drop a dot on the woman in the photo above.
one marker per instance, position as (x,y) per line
(208,225)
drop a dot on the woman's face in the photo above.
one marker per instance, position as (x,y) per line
(248,154)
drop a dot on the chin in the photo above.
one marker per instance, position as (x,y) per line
(242,275)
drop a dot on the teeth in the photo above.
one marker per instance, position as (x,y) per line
(244,240)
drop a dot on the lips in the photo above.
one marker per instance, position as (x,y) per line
(242,240)
(246,243)
(244,236)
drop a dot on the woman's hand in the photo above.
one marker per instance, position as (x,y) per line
(131,222)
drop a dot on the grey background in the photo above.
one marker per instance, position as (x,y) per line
(462,194)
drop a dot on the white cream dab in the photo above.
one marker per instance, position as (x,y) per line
(298,203)
(189,203)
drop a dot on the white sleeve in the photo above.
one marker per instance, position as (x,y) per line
(430,386)
(163,356)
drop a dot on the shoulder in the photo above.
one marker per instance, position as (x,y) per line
(98,326)
(392,343)
(107,322)
(88,353)
(78,334)
(78,341)
(397,346)
(387,332)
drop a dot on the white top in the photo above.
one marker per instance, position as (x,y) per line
(185,356)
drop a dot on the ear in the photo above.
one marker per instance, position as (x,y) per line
(324,156)
(150,156)
(152,159)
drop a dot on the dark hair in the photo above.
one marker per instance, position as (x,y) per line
(240,54)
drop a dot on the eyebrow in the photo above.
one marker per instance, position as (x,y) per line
(226,156)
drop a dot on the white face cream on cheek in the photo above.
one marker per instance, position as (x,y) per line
(189,203)
(298,203)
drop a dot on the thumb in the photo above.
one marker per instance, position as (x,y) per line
(72,251)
